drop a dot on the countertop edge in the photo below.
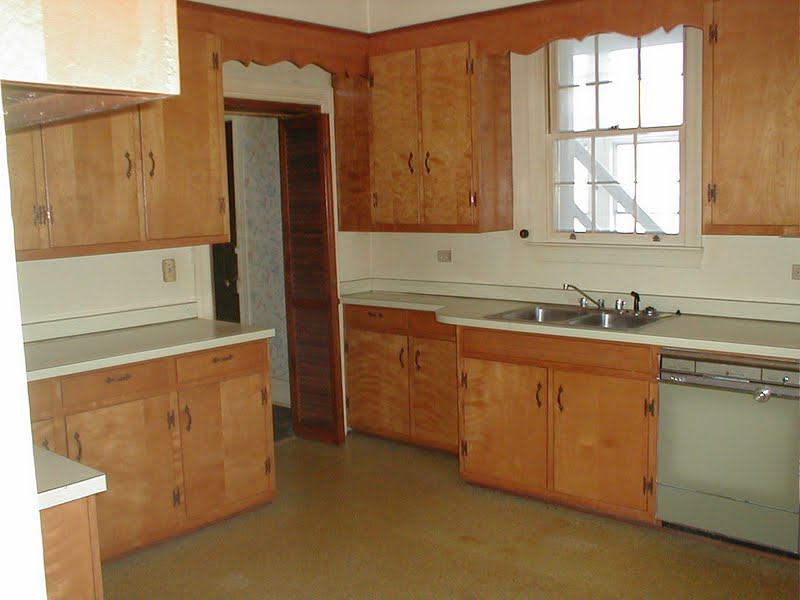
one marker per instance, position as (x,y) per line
(152,354)
(60,480)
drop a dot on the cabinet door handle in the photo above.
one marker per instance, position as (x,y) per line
(402,351)
(416,359)
(152,163)
(427,166)
(45,444)
(538,391)
(410,158)
(188,417)
(558,399)
(77,439)
(219,359)
(130,165)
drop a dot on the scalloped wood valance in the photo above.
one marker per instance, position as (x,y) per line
(248,37)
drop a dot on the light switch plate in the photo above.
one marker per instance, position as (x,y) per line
(796,272)
(168,270)
(444,255)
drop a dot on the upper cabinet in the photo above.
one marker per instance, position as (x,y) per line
(440,140)
(134,179)
(752,118)
(184,151)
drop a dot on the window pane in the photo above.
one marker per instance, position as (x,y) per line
(576,108)
(574,207)
(573,161)
(662,78)
(618,79)
(575,62)
(615,176)
(658,181)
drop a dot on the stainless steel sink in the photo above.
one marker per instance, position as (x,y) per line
(571,316)
(541,313)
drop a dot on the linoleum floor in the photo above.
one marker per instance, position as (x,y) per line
(383,520)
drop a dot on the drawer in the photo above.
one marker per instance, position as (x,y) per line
(43,398)
(222,361)
(376,318)
(134,378)
(423,324)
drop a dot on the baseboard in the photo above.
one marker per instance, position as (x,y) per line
(281,394)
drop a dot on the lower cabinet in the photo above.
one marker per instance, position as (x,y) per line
(401,376)
(134,445)
(566,419)
(182,440)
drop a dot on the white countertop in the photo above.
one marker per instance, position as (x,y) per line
(722,334)
(60,480)
(76,354)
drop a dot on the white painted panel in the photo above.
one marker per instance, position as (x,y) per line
(74,287)
(348,14)
(388,14)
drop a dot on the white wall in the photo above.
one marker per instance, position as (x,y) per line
(75,287)
(348,14)
(388,14)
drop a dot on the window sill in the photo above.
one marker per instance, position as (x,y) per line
(686,257)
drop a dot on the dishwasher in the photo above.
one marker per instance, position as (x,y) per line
(729,447)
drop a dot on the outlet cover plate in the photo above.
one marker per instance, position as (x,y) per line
(796,272)
(168,270)
(444,256)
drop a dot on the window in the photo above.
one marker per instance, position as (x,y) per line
(618,138)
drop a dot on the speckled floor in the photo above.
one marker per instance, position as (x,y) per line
(382,520)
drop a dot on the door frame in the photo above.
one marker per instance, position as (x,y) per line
(280,97)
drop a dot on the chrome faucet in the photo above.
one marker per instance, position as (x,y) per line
(585,297)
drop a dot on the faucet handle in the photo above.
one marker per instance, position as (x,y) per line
(619,304)
(583,302)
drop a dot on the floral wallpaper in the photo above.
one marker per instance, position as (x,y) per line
(257,165)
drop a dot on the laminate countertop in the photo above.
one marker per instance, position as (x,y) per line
(60,480)
(76,354)
(696,332)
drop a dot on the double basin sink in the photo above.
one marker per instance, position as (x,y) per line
(573,316)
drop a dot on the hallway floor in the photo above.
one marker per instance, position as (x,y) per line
(378,519)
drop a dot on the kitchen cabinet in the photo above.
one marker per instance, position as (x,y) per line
(440,140)
(28,200)
(565,419)
(134,444)
(751,118)
(184,151)
(226,435)
(401,376)
(71,551)
(504,424)
(183,440)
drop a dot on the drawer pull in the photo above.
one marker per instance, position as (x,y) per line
(152,163)
(416,359)
(402,351)
(188,417)
(130,165)
(118,378)
(219,359)
(375,315)
(538,391)
(77,439)
(558,399)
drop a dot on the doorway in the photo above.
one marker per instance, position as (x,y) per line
(284,256)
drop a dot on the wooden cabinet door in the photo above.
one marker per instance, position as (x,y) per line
(94,184)
(43,433)
(434,393)
(753,105)
(184,151)
(377,383)
(26,176)
(446,134)
(600,438)
(226,440)
(396,163)
(504,423)
(133,444)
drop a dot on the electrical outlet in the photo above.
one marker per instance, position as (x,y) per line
(168,270)
(444,255)
(796,272)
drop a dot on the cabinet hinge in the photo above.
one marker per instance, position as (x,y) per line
(371,79)
(713,34)
(176,497)
(221,205)
(215,60)
(48,214)
(464,379)
(711,192)
(470,66)
(347,401)
(38,214)
(346,347)
(374,199)
(464,449)
(263,396)
(649,407)
(268,466)
(171,419)
(647,485)
(473,199)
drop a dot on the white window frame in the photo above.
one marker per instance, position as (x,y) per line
(541,144)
